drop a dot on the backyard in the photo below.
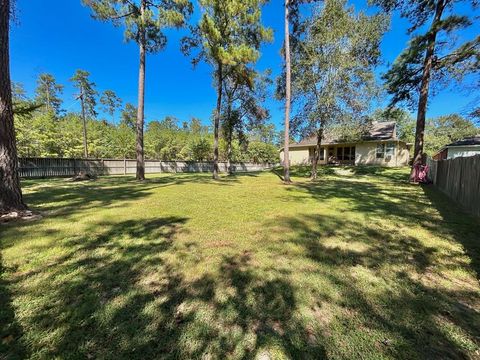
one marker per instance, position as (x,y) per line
(359,264)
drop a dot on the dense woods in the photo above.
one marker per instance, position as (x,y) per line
(43,132)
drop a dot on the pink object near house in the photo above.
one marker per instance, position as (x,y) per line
(419,174)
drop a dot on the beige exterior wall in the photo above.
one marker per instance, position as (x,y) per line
(298,156)
(365,155)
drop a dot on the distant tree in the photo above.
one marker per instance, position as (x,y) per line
(434,55)
(129,116)
(111,102)
(88,97)
(11,198)
(86,89)
(260,153)
(123,141)
(48,92)
(444,130)
(334,72)
(228,34)
(144,21)
(244,93)
(18,92)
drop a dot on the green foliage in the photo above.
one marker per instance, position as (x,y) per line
(86,88)
(260,152)
(444,130)
(129,116)
(333,78)
(454,57)
(229,32)
(48,92)
(111,102)
(158,15)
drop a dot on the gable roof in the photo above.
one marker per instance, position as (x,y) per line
(378,131)
(473,140)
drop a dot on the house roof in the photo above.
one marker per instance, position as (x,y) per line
(377,131)
(474,140)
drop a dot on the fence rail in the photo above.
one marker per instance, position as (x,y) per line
(459,178)
(61,167)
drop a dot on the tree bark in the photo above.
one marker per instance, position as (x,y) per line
(316,156)
(217,121)
(84,119)
(229,136)
(10,193)
(424,89)
(141,99)
(286,155)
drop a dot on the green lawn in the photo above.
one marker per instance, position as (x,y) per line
(357,265)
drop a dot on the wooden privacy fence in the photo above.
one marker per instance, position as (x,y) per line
(459,178)
(60,167)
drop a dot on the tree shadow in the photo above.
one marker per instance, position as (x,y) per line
(398,300)
(385,173)
(11,332)
(396,200)
(458,224)
(118,293)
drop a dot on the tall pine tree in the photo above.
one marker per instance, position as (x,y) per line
(144,22)
(228,34)
(48,92)
(10,193)
(434,56)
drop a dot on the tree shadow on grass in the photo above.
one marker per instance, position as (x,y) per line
(384,173)
(118,295)
(397,200)
(11,344)
(389,289)
(455,222)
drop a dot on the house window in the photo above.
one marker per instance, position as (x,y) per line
(352,153)
(340,153)
(380,151)
(390,149)
(346,154)
(322,154)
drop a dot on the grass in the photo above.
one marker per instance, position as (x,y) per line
(357,265)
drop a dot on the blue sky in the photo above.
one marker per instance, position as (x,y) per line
(61,37)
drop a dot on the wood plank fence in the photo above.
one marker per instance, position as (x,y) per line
(459,178)
(62,167)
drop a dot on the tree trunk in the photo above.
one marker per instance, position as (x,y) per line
(229,152)
(217,121)
(84,119)
(10,193)
(424,89)
(141,99)
(229,136)
(286,157)
(316,156)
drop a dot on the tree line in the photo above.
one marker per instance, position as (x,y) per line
(46,130)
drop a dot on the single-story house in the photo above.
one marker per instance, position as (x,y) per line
(463,148)
(379,146)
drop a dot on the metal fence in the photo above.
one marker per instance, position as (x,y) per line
(60,167)
(459,178)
